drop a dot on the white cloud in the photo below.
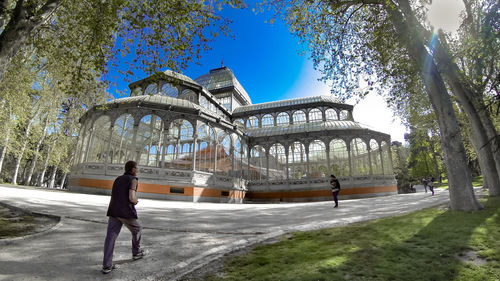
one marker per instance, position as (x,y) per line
(373,111)
(445,14)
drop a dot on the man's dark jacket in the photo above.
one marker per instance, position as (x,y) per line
(120,206)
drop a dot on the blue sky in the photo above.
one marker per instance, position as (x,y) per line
(265,59)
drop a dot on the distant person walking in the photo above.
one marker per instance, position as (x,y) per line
(431,184)
(335,185)
(122,211)
(424,183)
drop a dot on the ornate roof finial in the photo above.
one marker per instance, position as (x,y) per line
(222,63)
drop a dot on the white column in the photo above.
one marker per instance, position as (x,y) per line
(195,140)
(368,148)
(267,164)
(164,148)
(134,144)
(328,161)
(215,158)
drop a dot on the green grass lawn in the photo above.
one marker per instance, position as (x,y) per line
(13,224)
(477,181)
(423,245)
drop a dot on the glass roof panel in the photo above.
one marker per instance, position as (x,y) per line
(161,99)
(305,100)
(306,127)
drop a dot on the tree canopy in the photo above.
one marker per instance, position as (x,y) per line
(388,46)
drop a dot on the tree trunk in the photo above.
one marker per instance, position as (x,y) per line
(482,129)
(40,177)
(52,177)
(37,150)
(45,164)
(23,149)
(63,180)
(461,193)
(24,19)
(65,173)
(4,149)
(484,136)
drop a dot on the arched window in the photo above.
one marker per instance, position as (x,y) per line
(151,89)
(331,115)
(211,107)
(188,94)
(258,162)
(122,140)
(252,122)
(386,158)
(277,162)
(299,117)
(343,115)
(267,121)
(315,115)
(339,158)
(205,149)
(169,90)
(317,159)
(283,119)
(297,160)
(203,101)
(100,140)
(179,145)
(149,141)
(137,91)
(375,157)
(359,156)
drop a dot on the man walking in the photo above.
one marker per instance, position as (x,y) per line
(122,211)
(335,185)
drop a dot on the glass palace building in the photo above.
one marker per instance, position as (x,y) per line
(203,140)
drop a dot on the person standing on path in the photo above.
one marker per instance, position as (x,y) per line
(335,185)
(424,183)
(122,211)
(431,184)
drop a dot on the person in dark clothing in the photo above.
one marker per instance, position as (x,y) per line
(335,185)
(424,183)
(122,211)
(431,184)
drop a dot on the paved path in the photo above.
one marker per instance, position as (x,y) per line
(178,236)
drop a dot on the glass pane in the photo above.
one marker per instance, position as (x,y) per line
(283,119)
(99,142)
(299,117)
(317,159)
(122,139)
(339,158)
(331,115)
(267,120)
(151,89)
(315,115)
(375,158)
(359,156)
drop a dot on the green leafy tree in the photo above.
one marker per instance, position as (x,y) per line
(86,35)
(385,43)
(401,171)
